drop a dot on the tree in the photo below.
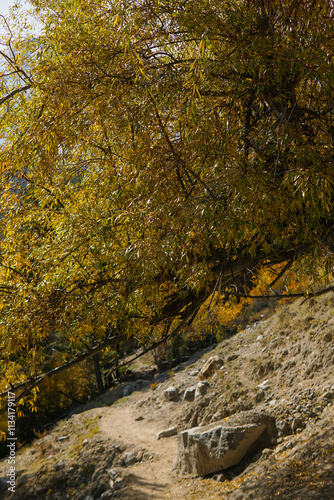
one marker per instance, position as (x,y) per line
(152,153)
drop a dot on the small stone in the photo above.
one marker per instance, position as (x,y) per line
(210,366)
(297,422)
(129,459)
(117,484)
(264,385)
(232,357)
(60,464)
(201,389)
(112,473)
(274,341)
(63,438)
(170,393)
(328,337)
(283,427)
(189,394)
(273,402)
(259,338)
(327,396)
(167,433)
(107,494)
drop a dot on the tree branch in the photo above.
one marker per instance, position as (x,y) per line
(30,384)
(14,92)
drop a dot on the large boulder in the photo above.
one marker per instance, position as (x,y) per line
(217,446)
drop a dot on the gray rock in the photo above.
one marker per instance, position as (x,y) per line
(189,394)
(107,494)
(170,393)
(117,484)
(140,384)
(328,396)
(60,464)
(208,449)
(283,427)
(264,385)
(232,357)
(221,478)
(201,389)
(129,459)
(297,422)
(172,431)
(211,365)
(127,390)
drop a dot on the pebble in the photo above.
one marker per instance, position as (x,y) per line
(264,385)
(60,464)
(274,341)
(63,438)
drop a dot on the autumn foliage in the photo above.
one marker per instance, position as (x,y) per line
(155,153)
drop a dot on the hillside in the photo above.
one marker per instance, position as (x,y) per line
(282,366)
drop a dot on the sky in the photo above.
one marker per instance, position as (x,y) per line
(4,5)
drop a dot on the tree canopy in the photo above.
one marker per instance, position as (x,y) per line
(152,152)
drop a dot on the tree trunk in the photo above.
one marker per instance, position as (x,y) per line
(98,375)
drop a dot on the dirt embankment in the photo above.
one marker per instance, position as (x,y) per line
(109,449)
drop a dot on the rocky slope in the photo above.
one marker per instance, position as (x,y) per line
(282,367)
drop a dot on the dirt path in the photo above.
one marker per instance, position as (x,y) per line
(147,480)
